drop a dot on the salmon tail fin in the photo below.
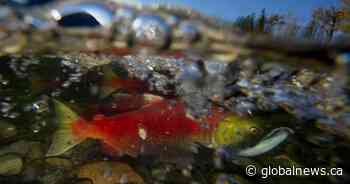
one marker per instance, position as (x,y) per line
(63,139)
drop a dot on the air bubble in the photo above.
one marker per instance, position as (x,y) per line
(189,31)
(83,15)
(151,30)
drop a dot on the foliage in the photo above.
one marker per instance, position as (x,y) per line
(263,24)
(324,25)
(345,15)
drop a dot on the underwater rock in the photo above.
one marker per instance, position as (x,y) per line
(228,179)
(47,171)
(108,172)
(10,164)
(30,149)
(59,162)
(83,181)
(7,130)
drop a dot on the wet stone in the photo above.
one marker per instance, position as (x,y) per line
(10,164)
(7,130)
(227,179)
(59,162)
(47,171)
(305,78)
(30,149)
(105,172)
(83,181)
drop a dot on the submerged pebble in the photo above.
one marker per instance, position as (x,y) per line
(105,172)
(227,179)
(10,164)
(47,171)
(30,149)
(59,162)
(7,130)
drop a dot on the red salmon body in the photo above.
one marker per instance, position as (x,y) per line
(160,123)
(153,128)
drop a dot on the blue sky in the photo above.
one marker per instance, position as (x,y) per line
(231,9)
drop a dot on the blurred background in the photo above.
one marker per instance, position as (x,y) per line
(232,9)
(320,20)
(316,20)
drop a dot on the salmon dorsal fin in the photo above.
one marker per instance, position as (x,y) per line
(63,139)
(107,86)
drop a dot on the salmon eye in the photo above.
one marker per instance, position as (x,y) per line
(255,130)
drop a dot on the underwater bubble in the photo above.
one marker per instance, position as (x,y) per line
(151,30)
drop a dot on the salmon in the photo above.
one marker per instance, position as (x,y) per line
(160,123)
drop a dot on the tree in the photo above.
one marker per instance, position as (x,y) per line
(263,24)
(246,23)
(311,29)
(292,30)
(344,15)
(275,21)
(328,21)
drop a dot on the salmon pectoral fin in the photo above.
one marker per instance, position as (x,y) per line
(110,150)
(179,154)
(121,147)
(63,138)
